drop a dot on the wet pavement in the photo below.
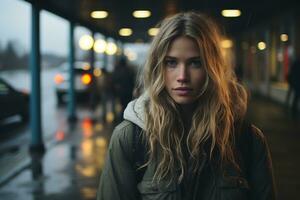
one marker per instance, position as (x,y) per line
(71,166)
(283,135)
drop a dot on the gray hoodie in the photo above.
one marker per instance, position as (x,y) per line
(135,110)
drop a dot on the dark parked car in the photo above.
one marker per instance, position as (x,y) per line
(83,81)
(13,102)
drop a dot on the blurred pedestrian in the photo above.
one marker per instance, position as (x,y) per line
(124,81)
(105,90)
(185,137)
(294,86)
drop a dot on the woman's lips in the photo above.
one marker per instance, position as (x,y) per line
(182,91)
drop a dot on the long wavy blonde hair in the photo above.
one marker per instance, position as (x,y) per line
(223,101)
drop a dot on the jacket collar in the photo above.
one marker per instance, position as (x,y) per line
(135,111)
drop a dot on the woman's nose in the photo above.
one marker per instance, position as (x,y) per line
(182,74)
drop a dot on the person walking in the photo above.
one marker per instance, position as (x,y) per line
(124,81)
(294,86)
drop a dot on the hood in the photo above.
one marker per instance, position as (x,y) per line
(135,111)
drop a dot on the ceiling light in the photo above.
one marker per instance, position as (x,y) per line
(125,32)
(231,13)
(284,37)
(153,31)
(99,14)
(141,13)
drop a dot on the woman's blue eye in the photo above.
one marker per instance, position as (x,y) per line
(170,63)
(196,63)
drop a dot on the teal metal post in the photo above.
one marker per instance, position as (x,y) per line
(93,95)
(92,54)
(71,93)
(37,144)
(105,56)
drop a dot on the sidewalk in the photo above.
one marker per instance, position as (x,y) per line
(283,135)
(71,168)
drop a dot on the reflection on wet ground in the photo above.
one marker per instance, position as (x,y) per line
(69,170)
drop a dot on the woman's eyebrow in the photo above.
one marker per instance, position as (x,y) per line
(195,58)
(170,57)
(191,58)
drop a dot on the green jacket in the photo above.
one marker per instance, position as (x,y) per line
(211,182)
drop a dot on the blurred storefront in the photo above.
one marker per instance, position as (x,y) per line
(266,52)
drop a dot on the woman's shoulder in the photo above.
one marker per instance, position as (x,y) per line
(252,136)
(248,133)
(256,132)
(124,126)
(123,131)
(121,140)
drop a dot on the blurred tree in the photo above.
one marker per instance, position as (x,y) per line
(10,58)
(24,60)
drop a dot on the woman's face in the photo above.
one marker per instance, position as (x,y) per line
(184,72)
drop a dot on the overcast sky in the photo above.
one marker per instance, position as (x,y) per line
(15,25)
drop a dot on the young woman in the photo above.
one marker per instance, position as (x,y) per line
(195,142)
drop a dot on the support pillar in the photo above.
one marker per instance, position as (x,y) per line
(37,144)
(71,92)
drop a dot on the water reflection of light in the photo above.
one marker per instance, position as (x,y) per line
(99,127)
(87,147)
(87,127)
(101,142)
(88,171)
(110,117)
(60,135)
(89,193)
(118,107)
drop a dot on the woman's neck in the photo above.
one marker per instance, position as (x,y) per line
(187,111)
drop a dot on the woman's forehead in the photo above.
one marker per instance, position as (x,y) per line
(184,45)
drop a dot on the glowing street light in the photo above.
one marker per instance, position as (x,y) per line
(100,46)
(86,42)
(111,48)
